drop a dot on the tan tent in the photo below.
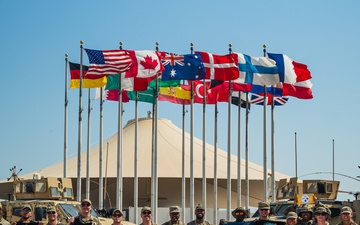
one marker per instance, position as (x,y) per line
(169,168)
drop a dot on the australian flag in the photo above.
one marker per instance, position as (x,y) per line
(182,67)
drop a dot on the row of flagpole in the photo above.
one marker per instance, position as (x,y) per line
(154,177)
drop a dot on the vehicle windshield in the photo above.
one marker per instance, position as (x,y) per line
(70,209)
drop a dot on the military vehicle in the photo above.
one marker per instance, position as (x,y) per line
(291,193)
(41,193)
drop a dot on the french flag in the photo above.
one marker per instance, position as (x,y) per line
(290,71)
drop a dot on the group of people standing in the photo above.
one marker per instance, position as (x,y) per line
(318,215)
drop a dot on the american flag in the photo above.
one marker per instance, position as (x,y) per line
(107,62)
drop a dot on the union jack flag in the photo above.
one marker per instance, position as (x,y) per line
(259,99)
(173,59)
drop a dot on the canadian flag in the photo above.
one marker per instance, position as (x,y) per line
(145,64)
(220,67)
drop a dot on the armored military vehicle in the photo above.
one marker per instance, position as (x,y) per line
(41,193)
(290,193)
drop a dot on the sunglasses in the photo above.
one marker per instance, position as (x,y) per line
(146,213)
(26,210)
(264,209)
(51,212)
(85,204)
(117,215)
(320,214)
(239,213)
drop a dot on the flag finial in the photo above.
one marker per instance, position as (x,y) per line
(230,49)
(157,46)
(191,47)
(120,43)
(66,55)
(264,50)
(81,42)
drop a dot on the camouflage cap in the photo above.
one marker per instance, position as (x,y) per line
(291,215)
(199,207)
(145,208)
(346,209)
(322,210)
(51,209)
(174,209)
(116,211)
(238,209)
(305,209)
(86,200)
(264,205)
(26,207)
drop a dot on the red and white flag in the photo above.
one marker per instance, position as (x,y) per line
(302,90)
(145,64)
(220,67)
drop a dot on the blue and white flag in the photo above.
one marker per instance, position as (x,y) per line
(260,72)
(182,67)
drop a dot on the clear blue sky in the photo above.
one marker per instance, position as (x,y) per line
(325,35)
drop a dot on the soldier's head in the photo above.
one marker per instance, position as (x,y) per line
(117,216)
(146,214)
(26,212)
(305,213)
(174,212)
(346,213)
(51,214)
(264,209)
(86,207)
(291,218)
(199,212)
(321,214)
(239,214)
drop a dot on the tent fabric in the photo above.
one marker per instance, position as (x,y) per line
(169,156)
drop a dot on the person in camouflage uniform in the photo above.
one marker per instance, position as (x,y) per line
(117,217)
(52,217)
(346,216)
(26,214)
(291,218)
(146,216)
(321,215)
(199,213)
(264,211)
(305,215)
(85,217)
(174,212)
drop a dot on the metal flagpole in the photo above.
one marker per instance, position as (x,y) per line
(101,177)
(66,115)
(247,202)
(156,184)
(204,149)
(333,156)
(192,184)
(273,196)
(215,165)
(264,148)
(228,208)
(87,192)
(239,154)
(119,181)
(136,178)
(272,178)
(264,143)
(78,193)
(183,179)
(296,161)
